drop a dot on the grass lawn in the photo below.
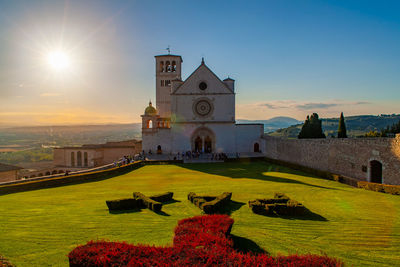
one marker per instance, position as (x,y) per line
(39,228)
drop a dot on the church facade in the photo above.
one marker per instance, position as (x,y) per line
(197,114)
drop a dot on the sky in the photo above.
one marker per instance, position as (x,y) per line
(289,58)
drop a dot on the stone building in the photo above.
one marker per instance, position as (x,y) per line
(197,114)
(87,156)
(8,172)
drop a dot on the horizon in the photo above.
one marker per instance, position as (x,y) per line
(71,63)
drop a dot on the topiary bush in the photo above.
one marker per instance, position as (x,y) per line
(165,197)
(279,205)
(210,204)
(384,188)
(198,241)
(124,204)
(148,202)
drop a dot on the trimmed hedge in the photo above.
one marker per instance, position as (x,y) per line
(163,197)
(384,188)
(124,204)
(279,205)
(5,263)
(198,241)
(210,204)
(147,202)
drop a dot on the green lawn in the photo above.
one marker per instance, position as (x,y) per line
(39,228)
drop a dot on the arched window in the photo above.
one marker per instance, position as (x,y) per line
(79,159)
(72,159)
(158,124)
(150,124)
(256,147)
(375,173)
(85,159)
(162,66)
(173,66)
(168,66)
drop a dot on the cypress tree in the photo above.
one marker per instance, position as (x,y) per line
(312,128)
(342,133)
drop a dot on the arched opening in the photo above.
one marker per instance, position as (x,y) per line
(173,66)
(47,173)
(159,124)
(162,66)
(198,144)
(60,171)
(203,140)
(149,124)
(72,159)
(256,147)
(168,66)
(79,159)
(207,145)
(85,159)
(159,151)
(375,173)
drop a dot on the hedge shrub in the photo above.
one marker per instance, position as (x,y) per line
(124,204)
(210,204)
(198,241)
(384,188)
(148,202)
(280,205)
(163,197)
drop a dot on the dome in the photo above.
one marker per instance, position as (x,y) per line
(150,110)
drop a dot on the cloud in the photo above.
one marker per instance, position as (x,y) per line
(310,106)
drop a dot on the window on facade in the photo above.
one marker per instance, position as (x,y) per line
(85,159)
(162,82)
(162,66)
(79,159)
(72,159)
(167,82)
(173,66)
(168,66)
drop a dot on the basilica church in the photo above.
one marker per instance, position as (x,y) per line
(197,114)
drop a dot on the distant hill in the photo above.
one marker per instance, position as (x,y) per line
(356,125)
(273,124)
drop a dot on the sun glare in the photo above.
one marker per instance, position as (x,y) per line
(58,60)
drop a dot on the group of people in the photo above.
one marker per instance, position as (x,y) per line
(188,155)
(123,161)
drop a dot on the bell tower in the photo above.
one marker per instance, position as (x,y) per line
(168,69)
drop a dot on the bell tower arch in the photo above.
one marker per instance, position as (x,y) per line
(168,69)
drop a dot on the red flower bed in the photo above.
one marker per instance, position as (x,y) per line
(198,241)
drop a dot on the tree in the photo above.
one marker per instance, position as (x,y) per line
(342,133)
(312,128)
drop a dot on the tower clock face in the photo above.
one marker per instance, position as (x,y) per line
(203,107)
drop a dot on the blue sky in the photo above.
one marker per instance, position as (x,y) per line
(289,58)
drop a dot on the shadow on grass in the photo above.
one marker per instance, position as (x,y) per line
(171,202)
(123,211)
(307,216)
(253,170)
(245,245)
(231,207)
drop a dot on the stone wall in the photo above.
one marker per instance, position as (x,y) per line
(349,156)
(7,176)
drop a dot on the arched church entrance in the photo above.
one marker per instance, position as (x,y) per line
(375,171)
(203,140)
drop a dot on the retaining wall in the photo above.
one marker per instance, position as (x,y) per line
(348,156)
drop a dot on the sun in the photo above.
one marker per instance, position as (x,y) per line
(59,60)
